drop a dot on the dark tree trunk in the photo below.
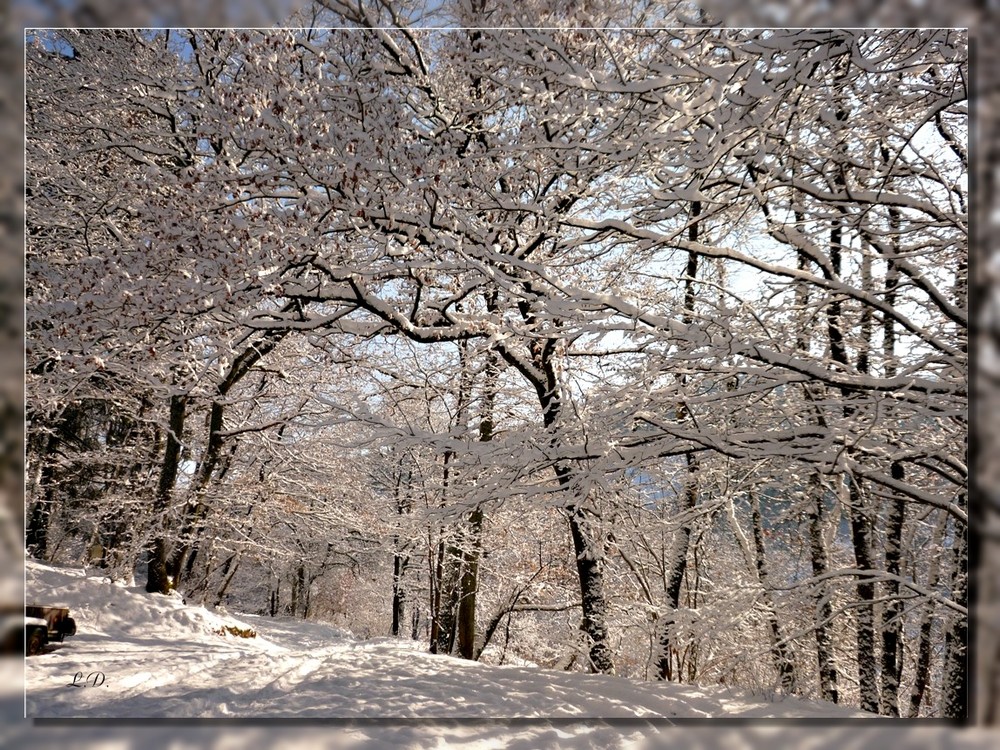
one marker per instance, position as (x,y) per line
(784,662)
(690,499)
(678,567)
(858,512)
(297,605)
(400,560)
(37,533)
(866,653)
(229,569)
(415,623)
(435,563)
(824,608)
(892,630)
(589,555)
(469,586)
(591,574)
(182,561)
(399,565)
(955,687)
(37,529)
(157,577)
(892,625)
(446,620)
(922,670)
(446,574)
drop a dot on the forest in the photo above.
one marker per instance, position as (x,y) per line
(638,349)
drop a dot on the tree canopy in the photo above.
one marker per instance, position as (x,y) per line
(355,295)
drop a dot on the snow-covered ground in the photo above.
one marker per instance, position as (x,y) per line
(160,658)
(139,655)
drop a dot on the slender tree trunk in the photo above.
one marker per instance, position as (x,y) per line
(690,498)
(955,681)
(39,520)
(590,572)
(449,557)
(858,511)
(183,559)
(400,561)
(784,661)
(228,572)
(587,551)
(435,573)
(922,670)
(892,625)
(469,585)
(399,565)
(446,577)
(450,554)
(589,554)
(826,663)
(678,566)
(299,592)
(892,631)
(445,586)
(866,654)
(37,533)
(824,607)
(157,578)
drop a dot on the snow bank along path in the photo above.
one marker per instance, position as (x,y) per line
(141,655)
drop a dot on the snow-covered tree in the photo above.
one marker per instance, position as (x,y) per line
(687,288)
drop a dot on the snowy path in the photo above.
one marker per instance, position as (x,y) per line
(160,658)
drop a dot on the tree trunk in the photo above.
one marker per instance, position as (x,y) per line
(892,625)
(678,566)
(157,578)
(399,565)
(182,561)
(449,558)
(297,605)
(860,524)
(866,654)
(784,662)
(892,630)
(824,608)
(229,569)
(922,671)
(955,681)
(434,574)
(826,664)
(400,561)
(591,575)
(37,534)
(445,586)
(589,556)
(690,500)
(37,530)
(469,585)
